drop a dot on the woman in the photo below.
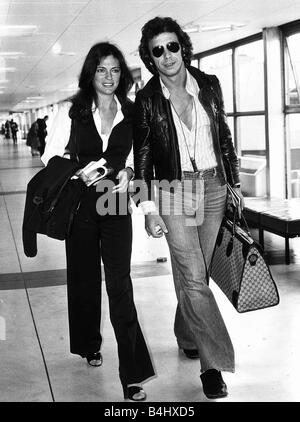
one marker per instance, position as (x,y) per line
(101,117)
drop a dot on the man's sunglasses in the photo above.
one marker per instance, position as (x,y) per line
(172,46)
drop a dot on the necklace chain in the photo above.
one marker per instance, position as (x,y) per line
(192,159)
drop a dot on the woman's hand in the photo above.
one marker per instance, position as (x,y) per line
(124,176)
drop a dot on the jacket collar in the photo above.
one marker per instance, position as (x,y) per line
(126,107)
(153,85)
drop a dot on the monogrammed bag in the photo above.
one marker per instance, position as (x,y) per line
(239,269)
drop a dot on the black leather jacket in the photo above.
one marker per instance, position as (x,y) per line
(155,142)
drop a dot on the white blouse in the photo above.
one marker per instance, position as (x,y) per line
(59,133)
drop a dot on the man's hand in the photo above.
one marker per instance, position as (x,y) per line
(154,225)
(241,202)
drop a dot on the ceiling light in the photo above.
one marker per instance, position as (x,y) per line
(11,54)
(56,48)
(3,81)
(192,29)
(218,27)
(17,30)
(35,98)
(66,53)
(7,69)
(134,52)
(67,89)
(70,87)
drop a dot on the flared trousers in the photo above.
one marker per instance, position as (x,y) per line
(95,237)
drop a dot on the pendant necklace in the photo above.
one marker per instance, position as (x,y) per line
(193,160)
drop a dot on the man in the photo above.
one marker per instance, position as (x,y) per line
(14,129)
(42,133)
(181,134)
(7,129)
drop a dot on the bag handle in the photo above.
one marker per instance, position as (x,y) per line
(72,145)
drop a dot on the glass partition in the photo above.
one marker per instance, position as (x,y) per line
(253,164)
(240,69)
(249,59)
(292,110)
(292,70)
(220,64)
(293,137)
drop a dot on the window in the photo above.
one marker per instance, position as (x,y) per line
(292,108)
(240,69)
(250,77)
(231,127)
(292,70)
(293,131)
(251,133)
(220,64)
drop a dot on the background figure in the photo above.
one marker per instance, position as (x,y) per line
(33,140)
(14,129)
(42,133)
(101,115)
(181,134)
(7,129)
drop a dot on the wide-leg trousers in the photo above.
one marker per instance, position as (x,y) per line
(108,237)
(193,218)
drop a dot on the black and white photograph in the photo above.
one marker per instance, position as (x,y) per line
(119,122)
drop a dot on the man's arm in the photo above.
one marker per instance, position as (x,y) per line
(143,168)
(142,153)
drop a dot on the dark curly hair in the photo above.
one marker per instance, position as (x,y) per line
(157,26)
(83,99)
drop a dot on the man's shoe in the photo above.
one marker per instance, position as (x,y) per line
(213,385)
(191,353)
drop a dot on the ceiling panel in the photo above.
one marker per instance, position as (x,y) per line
(42,8)
(78,24)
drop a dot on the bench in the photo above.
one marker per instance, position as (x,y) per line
(278,216)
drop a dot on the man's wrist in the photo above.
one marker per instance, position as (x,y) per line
(237,185)
(148,207)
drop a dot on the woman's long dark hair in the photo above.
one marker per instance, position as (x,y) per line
(157,26)
(83,100)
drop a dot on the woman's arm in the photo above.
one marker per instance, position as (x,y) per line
(58,136)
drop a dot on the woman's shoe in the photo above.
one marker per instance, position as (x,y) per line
(191,353)
(94,359)
(134,393)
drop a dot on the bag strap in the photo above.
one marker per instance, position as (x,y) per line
(72,145)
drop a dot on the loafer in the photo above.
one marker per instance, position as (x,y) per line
(191,353)
(214,386)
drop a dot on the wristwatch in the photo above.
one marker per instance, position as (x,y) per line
(237,185)
(130,169)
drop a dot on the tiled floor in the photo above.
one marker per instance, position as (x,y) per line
(36,365)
